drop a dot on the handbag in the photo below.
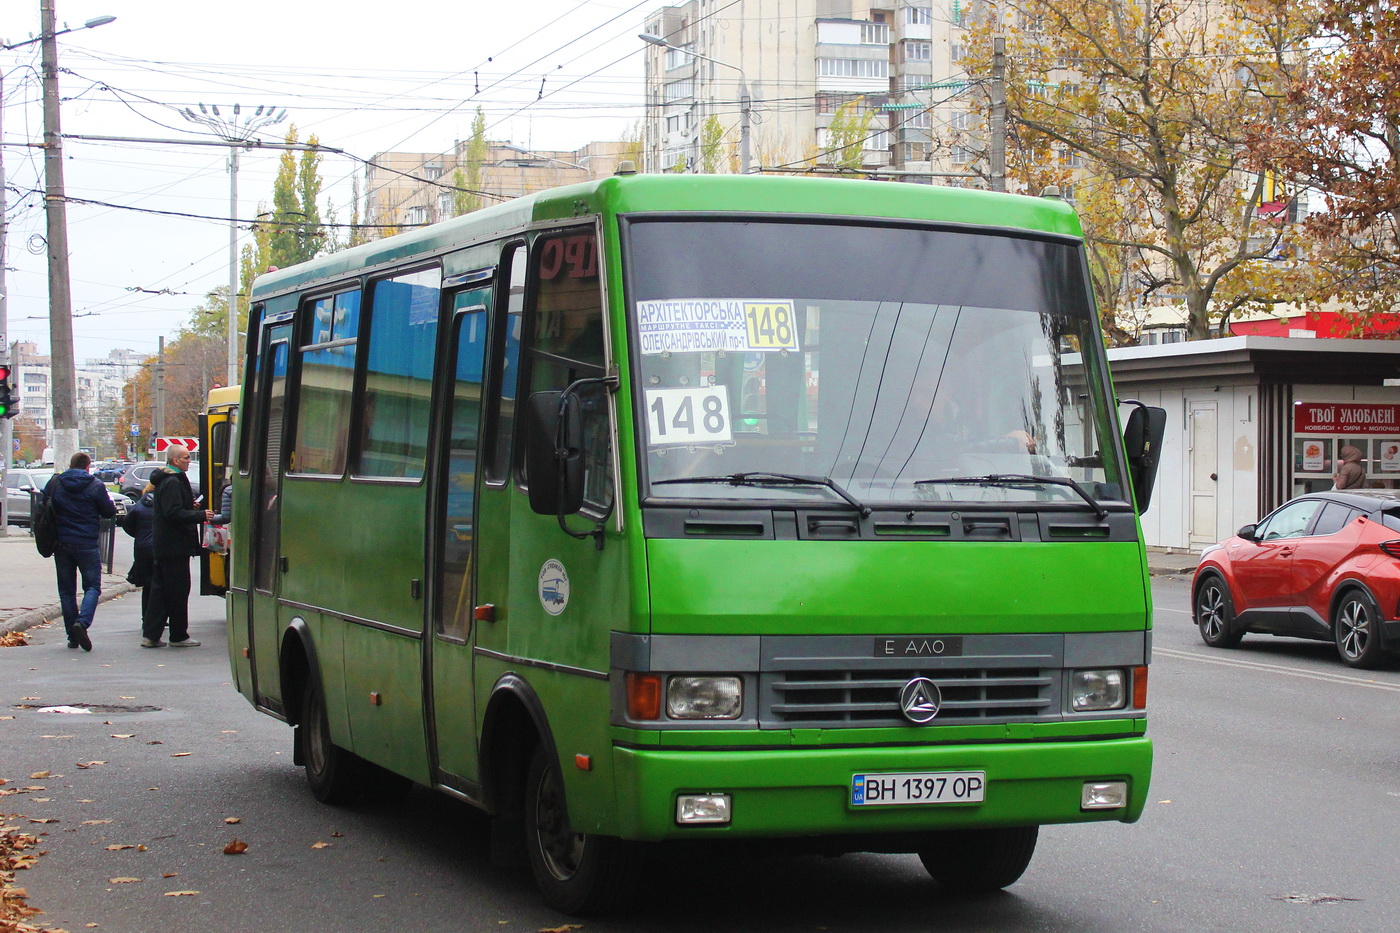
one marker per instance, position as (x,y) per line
(215,539)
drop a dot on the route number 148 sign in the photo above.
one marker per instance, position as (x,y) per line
(688,416)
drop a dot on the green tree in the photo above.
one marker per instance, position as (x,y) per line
(468,180)
(296,230)
(846,135)
(711,144)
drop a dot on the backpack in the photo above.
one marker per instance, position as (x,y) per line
(44,521)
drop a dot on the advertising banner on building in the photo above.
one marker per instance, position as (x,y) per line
(1350,418)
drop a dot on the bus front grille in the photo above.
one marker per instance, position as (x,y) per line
(827,699)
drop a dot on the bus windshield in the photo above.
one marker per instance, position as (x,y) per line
(801,363)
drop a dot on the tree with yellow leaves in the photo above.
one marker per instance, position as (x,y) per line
(1144,108)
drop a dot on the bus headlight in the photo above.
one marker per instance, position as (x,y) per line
(1091,691)
(704,698)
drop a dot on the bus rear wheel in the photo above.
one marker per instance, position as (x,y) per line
(976,861)
(576,873)
(334,774)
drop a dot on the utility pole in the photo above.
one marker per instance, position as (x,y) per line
(236,130)
(63,387)
(7,428)
(48,37)
(998,114)
(158,382)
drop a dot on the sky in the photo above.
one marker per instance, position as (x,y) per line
(548,74)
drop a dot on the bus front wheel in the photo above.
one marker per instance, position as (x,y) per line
(973,861)
(333,773)
(576,873)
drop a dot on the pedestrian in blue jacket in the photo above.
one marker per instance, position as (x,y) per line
(80,502)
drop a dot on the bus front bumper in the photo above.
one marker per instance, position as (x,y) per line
(801,792)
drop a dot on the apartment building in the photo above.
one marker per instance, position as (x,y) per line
(99,384)
(801,60)
(414,188)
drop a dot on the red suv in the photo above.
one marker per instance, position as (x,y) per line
(1323,566)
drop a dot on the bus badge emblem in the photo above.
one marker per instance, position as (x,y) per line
(553,587)
(920,700)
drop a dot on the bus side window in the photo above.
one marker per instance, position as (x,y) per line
(500,432)
(327,375)
(402,341)
(567,344)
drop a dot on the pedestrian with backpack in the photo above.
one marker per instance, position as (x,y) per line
(140,524)
(79,502)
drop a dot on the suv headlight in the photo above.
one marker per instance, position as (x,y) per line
(1092,691)
(692,697)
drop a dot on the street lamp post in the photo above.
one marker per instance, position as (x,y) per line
(744,102)
(235,129)
(63,388)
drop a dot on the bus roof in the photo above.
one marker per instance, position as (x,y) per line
(672,193)
(223,397)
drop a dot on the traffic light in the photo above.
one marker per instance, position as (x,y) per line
(9,405)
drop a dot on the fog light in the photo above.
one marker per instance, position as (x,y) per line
(1104,795)
(1091,691)
(704,698)
(702,808)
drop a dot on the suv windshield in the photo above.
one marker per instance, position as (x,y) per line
(900,364)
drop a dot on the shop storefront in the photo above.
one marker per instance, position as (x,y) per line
(1322,429)
(1254,421)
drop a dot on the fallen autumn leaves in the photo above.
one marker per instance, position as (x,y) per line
(15,855)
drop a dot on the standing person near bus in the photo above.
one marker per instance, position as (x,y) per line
(79,501)
(174,542)
(139,523)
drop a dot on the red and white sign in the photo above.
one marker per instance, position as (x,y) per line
(189,443)
(1345,418)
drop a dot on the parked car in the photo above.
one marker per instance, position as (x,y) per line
(111,471)
(1324,566)
(18,483)
(139,474)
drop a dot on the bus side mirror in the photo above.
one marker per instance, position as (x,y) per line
(554,453)
(1142,441)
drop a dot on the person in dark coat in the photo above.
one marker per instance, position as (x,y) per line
(79,501)
(174,541)
(140,524)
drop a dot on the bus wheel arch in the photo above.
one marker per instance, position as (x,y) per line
(297,664)
(514,723)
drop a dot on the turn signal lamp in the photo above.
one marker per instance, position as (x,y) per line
(643,696)
(1140,687)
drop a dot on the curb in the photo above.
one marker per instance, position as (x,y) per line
(33,617)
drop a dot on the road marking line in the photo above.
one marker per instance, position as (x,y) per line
(1279,669)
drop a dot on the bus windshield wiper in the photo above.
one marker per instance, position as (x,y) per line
(1019,479)
(772,479)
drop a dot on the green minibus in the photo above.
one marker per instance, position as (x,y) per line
(709,509)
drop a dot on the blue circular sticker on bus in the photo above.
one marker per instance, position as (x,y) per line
(554,587)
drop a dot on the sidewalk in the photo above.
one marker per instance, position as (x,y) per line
(28,588)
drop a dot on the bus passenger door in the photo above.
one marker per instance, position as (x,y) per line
(454,539)
(215,430)
(265,536)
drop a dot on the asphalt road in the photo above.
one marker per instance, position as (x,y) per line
(1275,806)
